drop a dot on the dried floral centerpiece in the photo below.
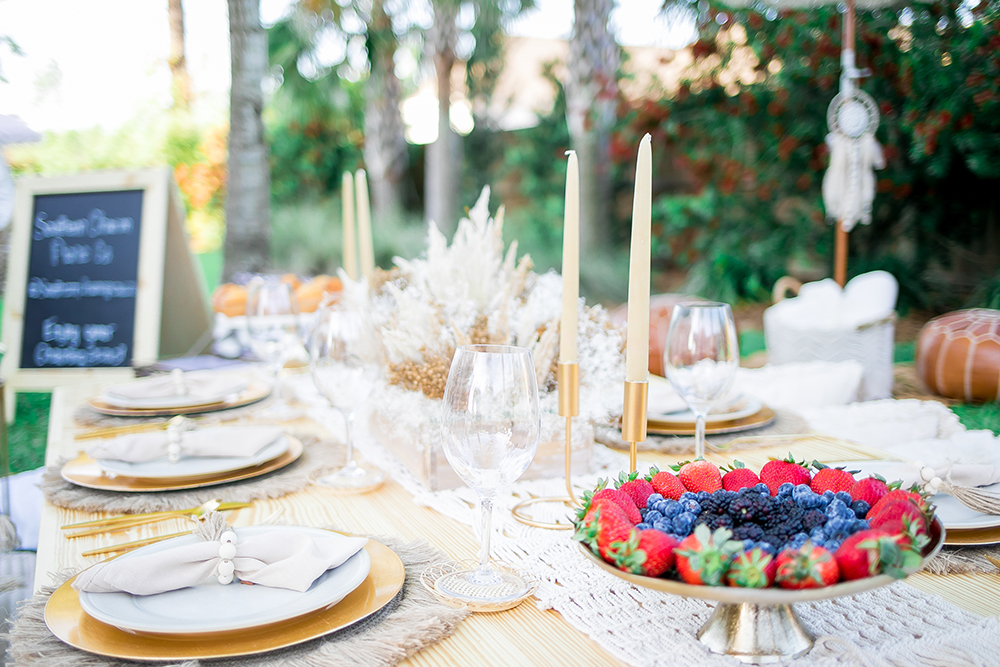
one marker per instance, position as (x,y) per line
(472,292)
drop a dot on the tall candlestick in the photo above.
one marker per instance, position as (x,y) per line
(350,263)
(365,247)
(637,350)
(570,262)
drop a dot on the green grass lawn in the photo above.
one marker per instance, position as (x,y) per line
(29,431)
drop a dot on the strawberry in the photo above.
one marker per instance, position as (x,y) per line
(898,510)
(637,488)
(777,472)
(752,569)
(649,552)
(703,557)
(666,483)
(870,489)
(739,477)
(859,555)
(620,498)
(830,479)
(604,525)
(699,475)
(896,494)
(808,567)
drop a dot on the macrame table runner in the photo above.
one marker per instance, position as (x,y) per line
(319,458)
(412,621)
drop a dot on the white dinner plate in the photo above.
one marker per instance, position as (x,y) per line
(192,466)
(213,607)
(167,402)
(751,407)
(953,514)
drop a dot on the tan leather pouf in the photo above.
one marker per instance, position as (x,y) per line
(958,355)
(660,307)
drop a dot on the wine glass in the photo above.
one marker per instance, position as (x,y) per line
(345,365)
(273,325)
(491,422)
(700,358)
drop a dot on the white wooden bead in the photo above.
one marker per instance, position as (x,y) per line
(225,579)
(227,550)
(226,568)
(228,536)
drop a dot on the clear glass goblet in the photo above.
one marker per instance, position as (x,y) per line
(700,358)
(344,358)
(491,423)
(273,325)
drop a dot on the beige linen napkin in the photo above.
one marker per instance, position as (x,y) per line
(283,557)
(225,441)
(199,386)
(960,474)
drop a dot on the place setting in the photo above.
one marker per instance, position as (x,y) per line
(179,392)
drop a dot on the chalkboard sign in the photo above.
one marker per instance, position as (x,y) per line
(87,296)
(82,274)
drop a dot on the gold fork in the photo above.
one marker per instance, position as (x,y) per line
(125,523)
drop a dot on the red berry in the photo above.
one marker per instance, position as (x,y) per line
(898,510)
(752,569)
(871,490)
(604,525)
(699,475)
(703,557)
(858,555)
(739,477)
(808,567)
(831,479)
(666,484)
(776,473)
(647,552)
(896,494)
(637,488)
(621,499)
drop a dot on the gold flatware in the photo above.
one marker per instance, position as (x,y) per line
(127,520)
(109,431)
(135,544)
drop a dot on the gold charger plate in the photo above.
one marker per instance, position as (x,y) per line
(972,537)
(66,619)
(256,391)
(84,471)
(761,418)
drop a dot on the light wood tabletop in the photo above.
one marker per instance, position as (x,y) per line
(525,635)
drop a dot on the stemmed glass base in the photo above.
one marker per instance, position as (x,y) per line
(353,478)
(477,586)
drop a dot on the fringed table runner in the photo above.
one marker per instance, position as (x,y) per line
(412,621)
(319,458)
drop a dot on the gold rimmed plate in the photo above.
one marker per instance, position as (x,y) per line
(256,391)
(759,419)
(972,537)
(66,619)
(84,471)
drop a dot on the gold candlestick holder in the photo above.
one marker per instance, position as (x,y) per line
(568,380)
(634,417)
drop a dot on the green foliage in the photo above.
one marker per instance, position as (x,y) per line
(748,134)
(985,416)
(29,432)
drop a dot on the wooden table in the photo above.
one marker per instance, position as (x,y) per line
(525,635)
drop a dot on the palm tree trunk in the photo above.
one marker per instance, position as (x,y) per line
(180,81)
(385,142)
(442,168)
(591,91)
(248,205)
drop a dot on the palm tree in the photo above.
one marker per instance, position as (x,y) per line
(591,92)
(442,168)
(248,212)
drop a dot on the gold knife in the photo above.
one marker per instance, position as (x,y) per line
(123,523)
(128,546)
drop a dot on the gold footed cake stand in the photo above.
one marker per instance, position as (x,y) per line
(568,379)
(759,625)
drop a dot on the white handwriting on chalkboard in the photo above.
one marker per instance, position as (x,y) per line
(61,341)
(94,225)
(41,288)
(61,252)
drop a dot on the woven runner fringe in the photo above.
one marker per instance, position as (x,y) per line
(319,458)
(412,621)
(785,423)
(965,560)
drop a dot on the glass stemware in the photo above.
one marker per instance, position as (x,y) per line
(272,323)
(344,360)
(701,357)
(491,423)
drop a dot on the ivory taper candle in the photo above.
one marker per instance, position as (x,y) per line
(637,349)
(350,263)
(366,251)
(570,261)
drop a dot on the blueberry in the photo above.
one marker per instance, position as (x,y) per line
(651,516)
(829,495)
(762,488)
(723,495)
(845,497)
(683,522)
(691,506)
(748,545)
(643,526)
(837,525)
(785,489)
(702,496)
(817,534)
(642,512)
(824,500)
(861,525)
(687,495)
(669,508)
(665,525)
(766,547)
(653,498)
(860,508)
(837,508)
(832,545)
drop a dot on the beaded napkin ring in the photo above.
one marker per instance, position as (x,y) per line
(227,551)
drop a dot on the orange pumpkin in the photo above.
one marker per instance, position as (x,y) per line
(958,355)
(660,307)
(230,300)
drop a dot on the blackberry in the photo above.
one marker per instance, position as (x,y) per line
(749,508)
(720,521)
(748,531)
(813,519)
(776,542)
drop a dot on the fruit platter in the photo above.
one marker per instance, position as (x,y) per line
(757,542)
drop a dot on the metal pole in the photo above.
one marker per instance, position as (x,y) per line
(847,80)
